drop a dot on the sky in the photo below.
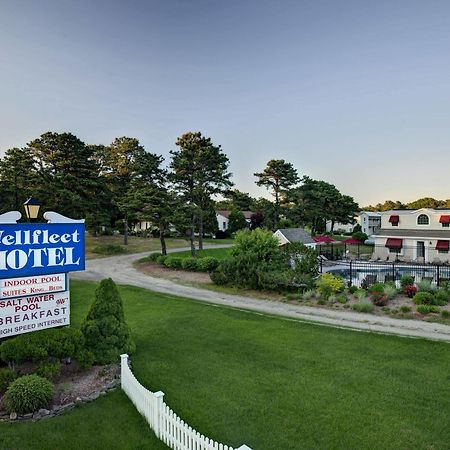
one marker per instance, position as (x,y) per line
(356,93)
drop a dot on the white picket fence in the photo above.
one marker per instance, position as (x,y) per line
(169,428)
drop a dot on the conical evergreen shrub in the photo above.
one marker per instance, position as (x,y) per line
(105,331)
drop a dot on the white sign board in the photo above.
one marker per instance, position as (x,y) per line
(33,313)
(39,284)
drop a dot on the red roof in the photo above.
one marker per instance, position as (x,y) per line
(444,219)
(394,219)
(394,243)
(351,241)
(443,245)
(323,239)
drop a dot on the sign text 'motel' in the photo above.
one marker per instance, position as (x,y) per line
(38,249)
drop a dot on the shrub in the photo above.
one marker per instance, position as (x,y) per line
(379,298)
(173,262)
(161,259)
(376,287)
(106,333)
(189,264)
(423,298)
(359,236)
(7,376)
(426,309)
(28,394)
(207,264)
(342,299)
(405,309)
(153,257)
(109,249)
(406,280)
(425,286)
(390,291)
(56,343)
(352,289)
(410,290)
(363,306)
(259,243)
(361,294)
(445,285)
(329,284)
(441,297)
(302,259)
(49,370)
(445,313)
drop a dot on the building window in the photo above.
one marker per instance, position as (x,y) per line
(446,225)
(443,251)
(423,219)
(224,225)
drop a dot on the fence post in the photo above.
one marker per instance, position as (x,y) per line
(438,276)
(159,397)
(351,274)
(393,273)
(123,364)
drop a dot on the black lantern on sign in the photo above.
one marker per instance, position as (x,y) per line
(32,207)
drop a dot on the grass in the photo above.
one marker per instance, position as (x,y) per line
(101,246)
(273,384)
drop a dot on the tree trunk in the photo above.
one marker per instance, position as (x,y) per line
(125,231)
(163,242)
(200,230)
(277,210)
(191,238)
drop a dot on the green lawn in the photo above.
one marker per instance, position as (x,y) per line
(273,384)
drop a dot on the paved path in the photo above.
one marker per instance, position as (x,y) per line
(121,270)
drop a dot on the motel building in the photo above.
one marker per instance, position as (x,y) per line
(421,236)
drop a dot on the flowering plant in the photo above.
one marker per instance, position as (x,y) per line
(410,290)
(379,298)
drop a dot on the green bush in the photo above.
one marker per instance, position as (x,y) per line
(329,284)
(405,309)
(161,259)
(363,306)
(49,370)
(423,298)
(426,309)
(342,299)
(189,264)
(108,249)
(105,331)
(153,257)
(240,271)
(28,394)
(352,289)
(302,259)
(173,262)
(406,280)
(7,376)
(390,291)
(425,286)
(376,287)
(207,264)
(445,313)
(379,298)
(441,297)
(361,294)
(55,343)
(359,236)
(258,243)
(309,294)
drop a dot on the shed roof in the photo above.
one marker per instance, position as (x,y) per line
(296,235)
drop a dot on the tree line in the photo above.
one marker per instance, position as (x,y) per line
(425,202)
(114,185)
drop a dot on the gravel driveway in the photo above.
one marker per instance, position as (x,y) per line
(120,269)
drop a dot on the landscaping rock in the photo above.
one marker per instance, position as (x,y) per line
(13,416)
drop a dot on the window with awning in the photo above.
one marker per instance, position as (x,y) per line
(394,220)
(445,220)
(443,245)
(394,243)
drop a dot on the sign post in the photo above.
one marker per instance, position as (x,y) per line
(34,261)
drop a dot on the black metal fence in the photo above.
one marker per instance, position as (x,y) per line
(362,274)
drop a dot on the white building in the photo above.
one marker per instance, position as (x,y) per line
(421,235)
(291,235)
(370,222)
(223,218)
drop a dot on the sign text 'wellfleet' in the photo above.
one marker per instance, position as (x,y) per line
(37,249)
